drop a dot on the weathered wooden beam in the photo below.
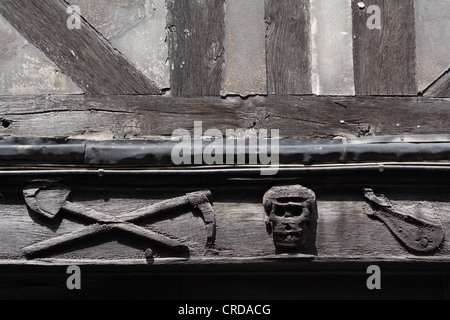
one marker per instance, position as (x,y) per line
(294,116)
(288,47)
(83,54)
(440,88)
(299,264)
(196,53)
(384,48)
(343,231)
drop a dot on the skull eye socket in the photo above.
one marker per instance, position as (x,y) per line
(291,199)
(287,210)
(278,211)
(294,211)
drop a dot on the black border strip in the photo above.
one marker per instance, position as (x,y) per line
(152,153)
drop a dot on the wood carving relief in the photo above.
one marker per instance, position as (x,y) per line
(418,228)
(49,200)
(291,216)
(286,221)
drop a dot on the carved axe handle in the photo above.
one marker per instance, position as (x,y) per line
(154,209)
(65,239)
(85,212)
(200,200)
(96,229)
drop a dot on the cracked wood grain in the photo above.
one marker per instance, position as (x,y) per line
(440,88)
(195,38)
(288,47)
(294,116)
(344,232)
(385,59)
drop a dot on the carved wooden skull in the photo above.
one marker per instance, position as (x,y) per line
(289,211)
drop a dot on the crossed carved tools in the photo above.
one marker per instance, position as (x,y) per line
(50,199)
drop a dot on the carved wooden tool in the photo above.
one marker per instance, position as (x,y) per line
(49,199)
(410,228)
(200,200)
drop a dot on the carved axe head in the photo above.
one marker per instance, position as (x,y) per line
(46,199)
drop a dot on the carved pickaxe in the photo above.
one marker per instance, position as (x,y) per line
(50,199)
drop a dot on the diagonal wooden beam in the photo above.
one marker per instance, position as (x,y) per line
(440,88)
(83,54)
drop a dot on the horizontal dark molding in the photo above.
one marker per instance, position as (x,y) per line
(15,152)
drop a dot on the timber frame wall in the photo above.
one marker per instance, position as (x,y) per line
(110,149)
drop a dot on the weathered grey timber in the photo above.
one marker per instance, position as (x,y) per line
(288,46)
(420,231)
(295,116)
(49,199)
(440,88)
(385,59)
(196,33)
(344,232)
(84,55)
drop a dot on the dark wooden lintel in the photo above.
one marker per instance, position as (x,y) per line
(295,116)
